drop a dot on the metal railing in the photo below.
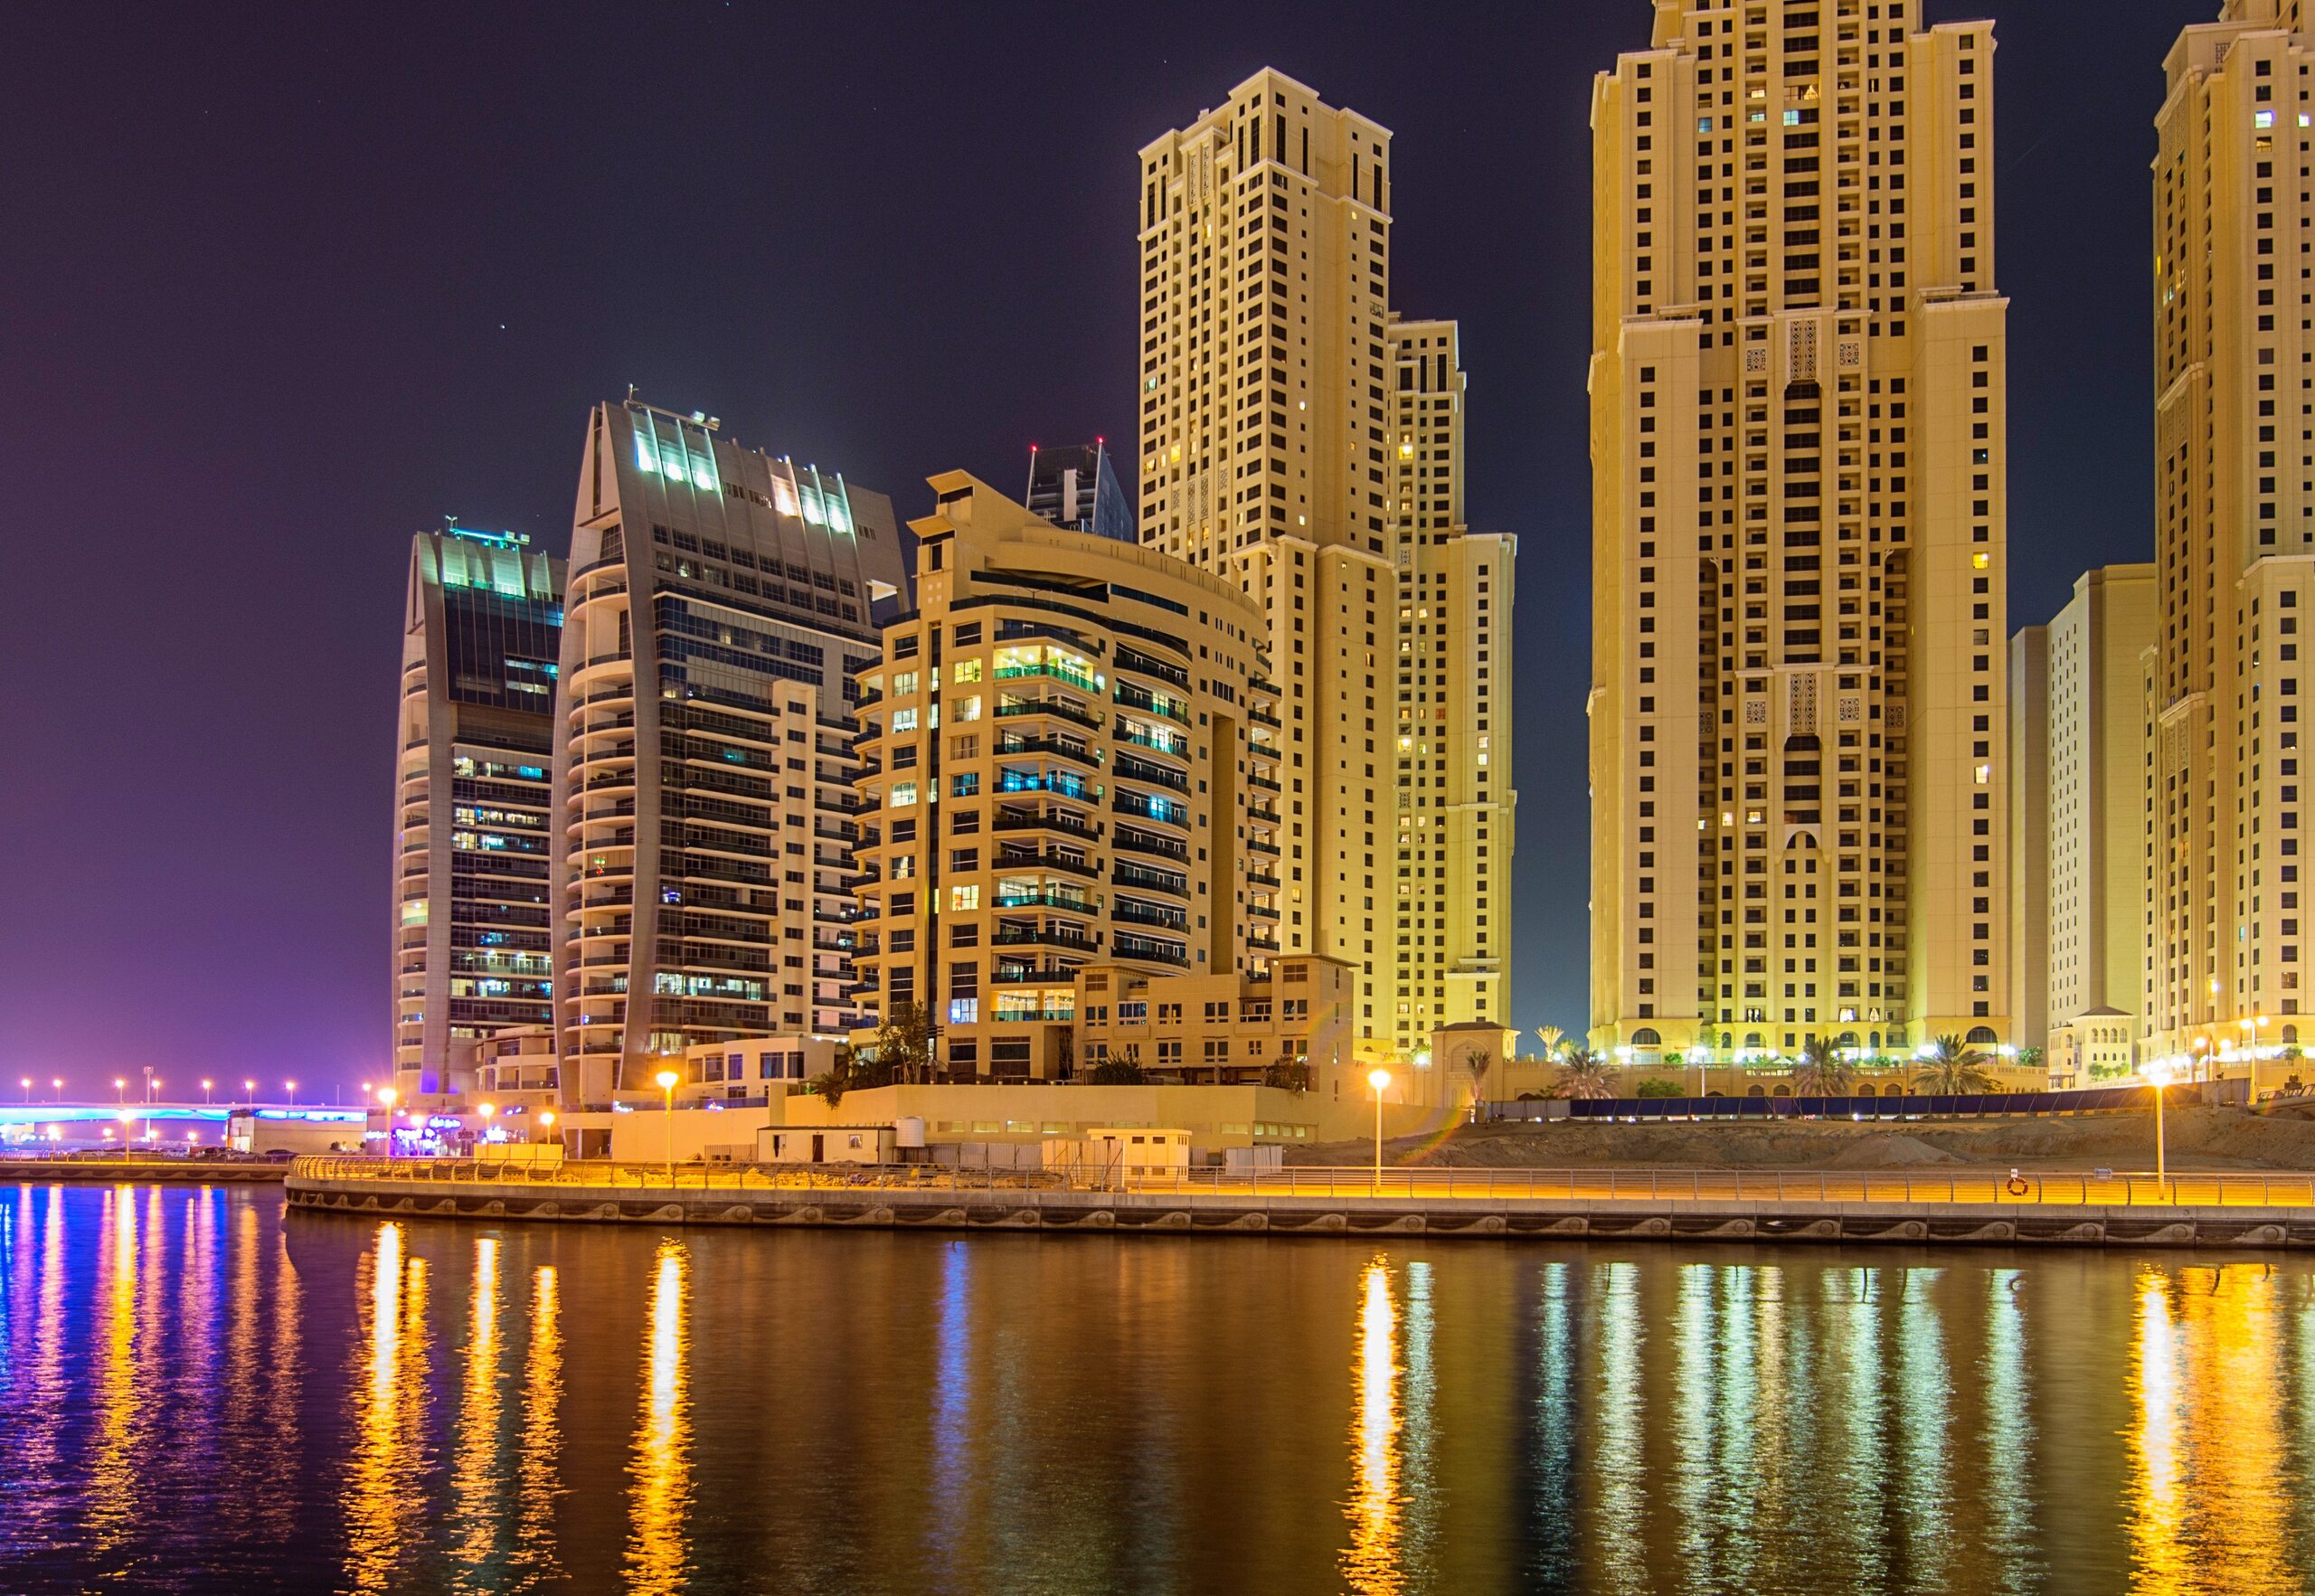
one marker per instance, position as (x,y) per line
(1987,1186)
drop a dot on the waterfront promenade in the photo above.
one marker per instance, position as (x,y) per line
(1974,1206)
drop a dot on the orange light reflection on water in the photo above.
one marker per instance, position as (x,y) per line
(656,1551)
(384,1498)
(1371,1561)
(536,1485)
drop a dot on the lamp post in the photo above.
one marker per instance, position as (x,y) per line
(127,1119)
(248,1088)
(119,1087)
(292,1085)
(205,1092)
(2160,1075)
(667,1077)
(386,1095)
(486,1110)
(28,1091)
(1378,1080)
(56,1089)
(148,1083)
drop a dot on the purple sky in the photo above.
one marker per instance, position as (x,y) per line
(286,285)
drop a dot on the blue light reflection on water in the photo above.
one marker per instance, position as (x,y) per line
(197,1395)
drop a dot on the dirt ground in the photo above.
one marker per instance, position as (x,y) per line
(2198,1138)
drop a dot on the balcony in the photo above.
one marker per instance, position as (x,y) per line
(1016,859)
(1158,914)
(1140,664)
(1259,846)
(1135,842)
(1133,695)
(1031,974)
(1044,937)
(1142,947)
(1058,708)
(1067,902)
(1015,820)
(1142,806)
(1152,881)
(1060,748)
(1012,673)
(1132,768)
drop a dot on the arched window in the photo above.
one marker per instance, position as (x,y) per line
(1754,1092)
(1645,1036)
(1846,1039)
(1751,1038)
(1980,1036)
(1865,1089)
(2291,1033)
(1782,1091)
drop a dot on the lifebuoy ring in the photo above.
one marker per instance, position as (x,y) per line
(2016,1186)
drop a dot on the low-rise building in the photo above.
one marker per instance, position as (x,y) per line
(1291,1026)
(2092,1049)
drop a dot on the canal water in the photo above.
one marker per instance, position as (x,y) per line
(199,1392)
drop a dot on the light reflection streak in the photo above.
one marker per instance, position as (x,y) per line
(1618,1536)
(951,1405)
(475,1474)
(384,1497)
(44,1391)
(536,1480)
(1924,1413)
(1695,1490)
(1371,1561)
(656,1551)
(284,1437)
(113,1470)
(2010,1433)
(1419,1402)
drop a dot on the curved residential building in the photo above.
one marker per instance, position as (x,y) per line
(1070,755)
(471,871)
(719,600)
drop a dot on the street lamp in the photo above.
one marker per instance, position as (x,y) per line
(205,1092)
(1378,1080)
(118,1086)
(28,1090)
(148,1083)
(127,1119)
(56,1089)
(667,1079)
(486,1110)
(386,1095)
(546,1119)
(292,1085)
(250,1086)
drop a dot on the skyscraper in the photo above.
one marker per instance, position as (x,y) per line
(720,600)
(471,931)
(2077,781)
(1272,455)
(1799,513)
(1076,487)
(2235,528)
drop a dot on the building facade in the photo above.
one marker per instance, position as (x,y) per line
(1797,712)
(1277,454)
(2234,531)
(1289,1025)
(472,922)
(1069,754)
(1077,487)
(719,600)
(2077,796)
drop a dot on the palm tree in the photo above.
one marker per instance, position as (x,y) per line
(1551,1037)
(1583,1073)
(1822,1071)
(1952,1068)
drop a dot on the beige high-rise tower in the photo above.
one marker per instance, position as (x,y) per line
(2234,520)
(1799,497)
(1305,445)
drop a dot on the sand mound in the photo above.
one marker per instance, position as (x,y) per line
(1894,1150)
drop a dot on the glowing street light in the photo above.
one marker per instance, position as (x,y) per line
(667,1079)
(486,1110)
(56,1089)
(28,1089)
(118,1086)
(127,1119)
(386,1095)
(250,1086)
(546,1119)
(1378,1080)
(205,1092)
(292,1085)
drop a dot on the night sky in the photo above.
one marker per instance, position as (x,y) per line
(283,287)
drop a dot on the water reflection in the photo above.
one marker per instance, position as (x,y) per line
(340,1403)
(657,1555)
(383,1499)
(536,1485)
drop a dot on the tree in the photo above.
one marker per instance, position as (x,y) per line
(1552,1038)
(830,1085)
(1479,1062)
(1583,1073)
(1288,1075)
(1657,1086)
(1122,1068)
(904,1043)
(1952,1068)
(2030,1058)
(1822,1071)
